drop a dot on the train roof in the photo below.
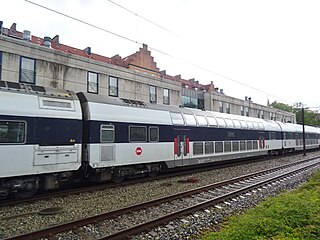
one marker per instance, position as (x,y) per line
(140,112)
(19,99)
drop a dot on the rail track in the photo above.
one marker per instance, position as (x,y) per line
(77,189)
(132,220)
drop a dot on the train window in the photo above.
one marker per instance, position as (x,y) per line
(221,122)
(176,119)
(212,121)
(197,148)
(153,134)
(250,125)
(243,124)
(218,147)
(255,125)
(249,145)
(289,136)
(261,126)
(227,146)
(272,135)
(137,134)
(60,104)
(243,146)
(237,123)
(235,146)
(255,145)
(229,123)
(190,120)
(202,121)
(106,133)
(12,132)
(209,147)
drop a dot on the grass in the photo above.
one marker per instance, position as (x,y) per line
(294,215)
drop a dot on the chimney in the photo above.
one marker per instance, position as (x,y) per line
(163,73)
(56,39)
(13,30)
(88,50)
(26,35)
(47,42)
(1,23)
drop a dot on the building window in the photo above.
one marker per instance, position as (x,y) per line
(153,94)
(228,108)
(27,70)
(113,86)
(242,110)
(0,64)
(221,107)
(92,82)
(166,96)
(262,114)
(247,111)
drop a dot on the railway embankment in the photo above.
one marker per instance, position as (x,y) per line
(292,215)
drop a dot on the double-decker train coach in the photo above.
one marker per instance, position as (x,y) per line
(40,138)
(125,137)
(51,137)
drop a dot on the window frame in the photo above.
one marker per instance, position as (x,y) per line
(177,119)
(136,141)
(96,83)
(34,70)
(113,132)
(197,148)
(221,106)
(149,134)
(166,96)
(24,133)
(116,94)
(0,64)
(152,94)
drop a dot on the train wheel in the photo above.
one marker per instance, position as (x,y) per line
(153,174)
(28,192)
(117,179)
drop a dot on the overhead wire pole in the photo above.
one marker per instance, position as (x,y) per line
(303,132)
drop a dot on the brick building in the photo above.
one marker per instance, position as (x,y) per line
(47,62)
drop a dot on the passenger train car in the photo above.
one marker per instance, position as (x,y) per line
(49,137)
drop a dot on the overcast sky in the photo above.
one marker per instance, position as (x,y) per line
(260,49)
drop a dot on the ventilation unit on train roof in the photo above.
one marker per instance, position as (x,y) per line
(133,103)
(12,86)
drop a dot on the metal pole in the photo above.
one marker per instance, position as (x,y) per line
(303,133)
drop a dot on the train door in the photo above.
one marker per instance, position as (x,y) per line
(262,141)
(181,148)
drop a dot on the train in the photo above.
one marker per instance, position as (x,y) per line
(51,137)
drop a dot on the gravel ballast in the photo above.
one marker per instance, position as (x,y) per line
(25,218)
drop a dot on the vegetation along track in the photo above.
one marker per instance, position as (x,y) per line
(132,220)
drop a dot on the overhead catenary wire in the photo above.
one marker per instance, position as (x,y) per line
(144,18)
(154,49)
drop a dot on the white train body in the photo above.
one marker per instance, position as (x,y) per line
(49,136)
(40,135)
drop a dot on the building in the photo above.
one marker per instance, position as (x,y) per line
(47,62)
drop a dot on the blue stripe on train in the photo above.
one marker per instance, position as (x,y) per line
(167,133)
(50,131)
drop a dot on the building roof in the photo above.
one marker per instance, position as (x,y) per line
(140,61)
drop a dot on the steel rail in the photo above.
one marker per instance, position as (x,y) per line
(51,231)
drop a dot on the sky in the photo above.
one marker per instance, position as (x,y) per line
(266,50)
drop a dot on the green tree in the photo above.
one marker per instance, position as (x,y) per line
(310,117)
